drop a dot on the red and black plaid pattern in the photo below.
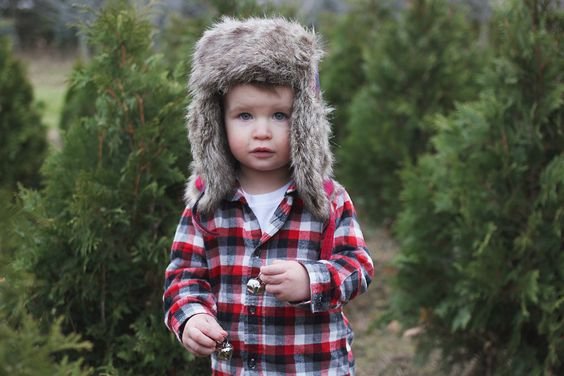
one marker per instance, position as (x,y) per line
(212,258)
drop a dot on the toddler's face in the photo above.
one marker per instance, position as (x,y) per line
(257,121)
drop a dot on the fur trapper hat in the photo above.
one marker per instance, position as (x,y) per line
(274,51)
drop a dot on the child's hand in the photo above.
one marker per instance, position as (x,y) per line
(201,334)
(286,280)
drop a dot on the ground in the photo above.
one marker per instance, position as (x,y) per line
(380,350)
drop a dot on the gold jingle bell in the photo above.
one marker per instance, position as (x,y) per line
(255,286)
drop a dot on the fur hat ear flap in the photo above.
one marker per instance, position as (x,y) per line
(312,159)
(212,160)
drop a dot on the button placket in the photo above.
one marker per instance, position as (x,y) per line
(254,285)
(253,298)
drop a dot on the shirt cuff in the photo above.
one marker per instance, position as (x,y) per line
(320,285)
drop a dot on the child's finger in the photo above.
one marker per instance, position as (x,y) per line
(203,340)
(204,330)
(196,341)
(277,267)
(270,279)
(213,330)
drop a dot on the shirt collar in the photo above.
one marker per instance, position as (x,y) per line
(238,195)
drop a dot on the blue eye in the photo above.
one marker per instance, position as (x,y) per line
(280,116)
(245,116)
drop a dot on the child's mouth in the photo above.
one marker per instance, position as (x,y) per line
(262,152)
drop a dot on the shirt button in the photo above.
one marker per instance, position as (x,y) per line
(252,363)
(252,310)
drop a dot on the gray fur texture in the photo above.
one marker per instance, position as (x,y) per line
(275,51)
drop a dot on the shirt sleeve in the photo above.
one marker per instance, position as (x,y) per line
(350,269)
(187,290)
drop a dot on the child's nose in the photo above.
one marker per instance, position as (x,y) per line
(262,129)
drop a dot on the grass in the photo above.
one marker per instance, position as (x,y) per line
(51,100)
(49,74)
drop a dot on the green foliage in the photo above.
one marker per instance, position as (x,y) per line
(102,225)
(250,8)
(28,350)
(417,64)
(78,102)
(341,71)
(481,265)
(23,142)
(182,33)
(26,346)
(178,40)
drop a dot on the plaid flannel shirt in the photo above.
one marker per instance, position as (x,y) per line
(212,260)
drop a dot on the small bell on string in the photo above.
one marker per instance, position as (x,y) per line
(224,350)
(255,286)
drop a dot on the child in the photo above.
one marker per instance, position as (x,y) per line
(268,249)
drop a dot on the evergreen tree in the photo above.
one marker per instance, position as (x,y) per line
(28,347)
(78,102)
(182,33)
(178,39)
(417,64)
(342,72)
(23,142)
(104,222)
(249,8)
(481,265)
(28,350)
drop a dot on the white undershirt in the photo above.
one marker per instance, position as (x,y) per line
(264,205)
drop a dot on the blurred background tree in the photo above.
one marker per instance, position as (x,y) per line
(29,346)
(481,267)
(111,200)
(413,69)
(23,144)
(342,70)
(23,147)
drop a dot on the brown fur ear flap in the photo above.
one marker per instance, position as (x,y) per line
(274,51)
